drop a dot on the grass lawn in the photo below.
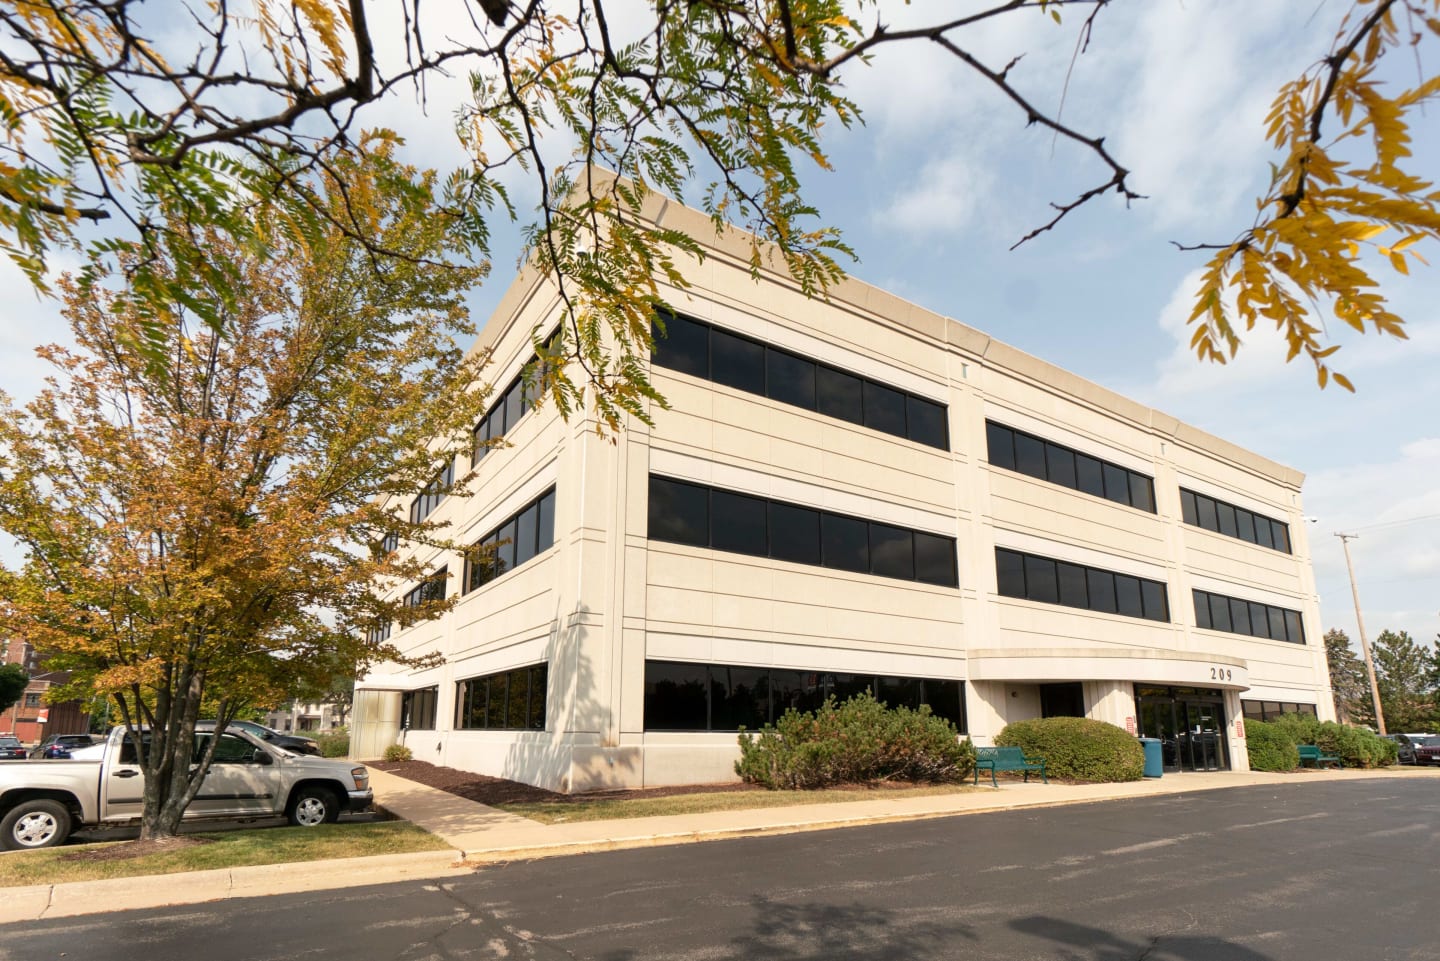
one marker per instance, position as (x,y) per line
(202,852)
(604,809)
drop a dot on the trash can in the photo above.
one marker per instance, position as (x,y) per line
(1154,764)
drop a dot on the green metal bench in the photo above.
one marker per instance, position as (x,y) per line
(1311,753)
(994,759)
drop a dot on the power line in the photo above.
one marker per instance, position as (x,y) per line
(1399,523)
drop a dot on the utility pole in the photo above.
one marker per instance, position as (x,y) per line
(1364,642)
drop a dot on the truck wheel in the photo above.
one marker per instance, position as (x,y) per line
(311,806)
(40,823)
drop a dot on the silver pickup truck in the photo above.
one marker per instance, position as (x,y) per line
(42,801)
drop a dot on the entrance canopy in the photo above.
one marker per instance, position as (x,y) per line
(1108,664)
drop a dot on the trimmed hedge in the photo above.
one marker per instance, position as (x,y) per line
(858,742)
(334,743)
(1271,747)
(399,752)
(1355,746)
(1078,748)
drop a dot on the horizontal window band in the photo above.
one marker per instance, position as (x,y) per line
(683,512)
(1054,463)
(1050,581)
(712,353)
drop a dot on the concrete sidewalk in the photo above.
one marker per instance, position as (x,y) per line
(482,835)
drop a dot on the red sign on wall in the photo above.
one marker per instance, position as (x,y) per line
(1240,727)
(1130,725)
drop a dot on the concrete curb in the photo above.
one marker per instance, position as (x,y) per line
(45,901)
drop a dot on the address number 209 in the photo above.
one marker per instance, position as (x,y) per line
(1221,674)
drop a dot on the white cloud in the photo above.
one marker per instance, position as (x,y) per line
(941,198)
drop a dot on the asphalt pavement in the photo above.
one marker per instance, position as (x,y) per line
(1310,870)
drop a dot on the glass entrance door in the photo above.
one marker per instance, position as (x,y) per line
(1202,743)
(1190,724)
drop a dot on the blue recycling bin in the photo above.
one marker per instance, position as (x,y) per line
(1154,763)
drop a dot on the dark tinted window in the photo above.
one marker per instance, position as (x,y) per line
(1142,492)
(1277,623)
(737,362)
(738,523)
(935,559)
(1089,476)
(676,697)
(1260,620)
(505,548)
(790,379)
(838,394)
(1240,616)
(499,699)
(1205,507)
(1220,613)
(1029,455)
(684,346)
(1153,596)
(1294,632)
(1245,525)
(1225,519)
(794,533)
(1073,591)
(944,699)
(1187,508)
(1222,518)
(1202,609)
(1060,463)
(545,522)
(925,422)
(1009,573)
(679,512)
(898,691)
(1127,596)
(1001,443)
(514,405)
(1040,581)
(846,543)
(1117,484)
(1102,590)
(525,526)
(892,551)
(884,408)
(739,697)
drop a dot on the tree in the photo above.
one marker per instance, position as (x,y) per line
(208,535)
(107,122)
(1348,683)
(1403,673)
(13,681)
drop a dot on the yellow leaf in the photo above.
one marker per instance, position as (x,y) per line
(1398,262)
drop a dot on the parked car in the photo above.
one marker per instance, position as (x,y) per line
(59,746)
(11,749)
(1407,743)
(41,803)
(295,743)
(1427,750)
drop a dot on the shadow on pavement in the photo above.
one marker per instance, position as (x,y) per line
(1096,944)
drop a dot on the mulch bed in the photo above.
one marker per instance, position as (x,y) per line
(134,849)
(496,790)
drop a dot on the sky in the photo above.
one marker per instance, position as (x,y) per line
(944,177)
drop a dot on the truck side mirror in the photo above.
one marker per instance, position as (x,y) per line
(263,758)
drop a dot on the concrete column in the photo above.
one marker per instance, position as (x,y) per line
(376,716)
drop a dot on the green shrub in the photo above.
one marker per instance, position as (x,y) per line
(1079,748)
(1354,746)
(1271,747)
(398,752)
(858,742)
(334,743)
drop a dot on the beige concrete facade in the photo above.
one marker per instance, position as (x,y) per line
(605,598)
